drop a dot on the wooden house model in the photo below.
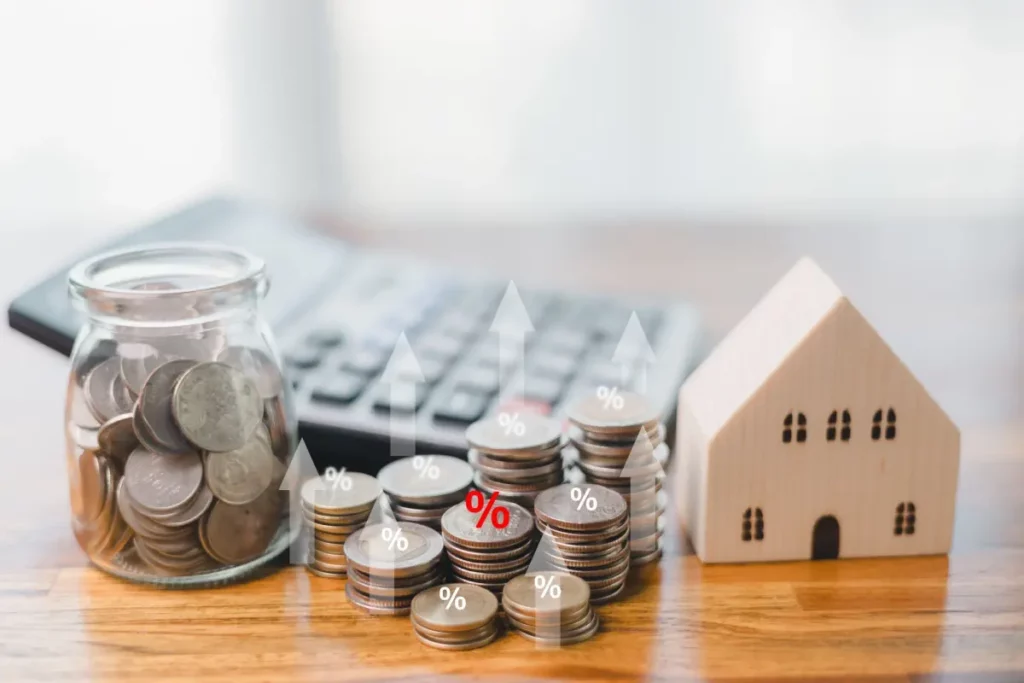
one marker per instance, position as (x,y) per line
(803,436)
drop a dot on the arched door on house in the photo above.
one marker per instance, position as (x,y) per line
(825,540)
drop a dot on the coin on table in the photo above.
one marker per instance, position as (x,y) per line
(155,407)
(216,407)
(622,412)
(460,525)
(533,593)
(458,645)
(257,365)
(116,437)
(239,533)
(426,480)
(353,493)
(241,475)
(98,389)
(161,483)
(511,434)
(380,606)
(400,549)
(569,507)
(454,607)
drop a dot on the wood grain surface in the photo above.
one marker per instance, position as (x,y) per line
(948,297)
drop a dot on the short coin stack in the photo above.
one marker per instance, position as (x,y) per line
(621,446)
(333,508)
(585,532)
(550,608)
(485,555)
(183,461)
(455,617)
(517,455)
(422,487)
(389,563)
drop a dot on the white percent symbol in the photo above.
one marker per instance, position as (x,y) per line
(395,539)
(547,587)
(512,424)
(609,396)
(338,479)
(583,499)
(452,598)
(426,467)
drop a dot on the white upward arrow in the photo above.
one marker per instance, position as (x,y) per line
(512,323)
(547,558)
(642,469)
(634,352)
(403,373)
(300,470)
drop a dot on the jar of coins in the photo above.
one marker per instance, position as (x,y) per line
(179,420)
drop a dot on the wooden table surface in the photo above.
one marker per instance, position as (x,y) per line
(947,295)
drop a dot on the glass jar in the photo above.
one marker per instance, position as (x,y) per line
(180,424)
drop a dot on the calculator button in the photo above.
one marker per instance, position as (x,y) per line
(462,407)
(478,379)
(566,340)
(551,364)
(436,345)
(303,357)
(407,399)
(325,338)
(341,388)
(366,361)
(431,370)
(542,389)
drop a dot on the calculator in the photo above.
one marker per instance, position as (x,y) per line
(338,311)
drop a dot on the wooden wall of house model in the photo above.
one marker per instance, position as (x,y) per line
(803,436)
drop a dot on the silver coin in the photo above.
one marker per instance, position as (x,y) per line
(161,483)
(216,407)
(98,394)
(257,365)
(618,412)
(401,549)
(279,429)
(155,403)
(91,486)
(141,523)
(241,475)
(196,509)
(239,533)
(347,494)
(460,525)
(426,480)
(512,433)
(117,438)
(138,360)
(121,395)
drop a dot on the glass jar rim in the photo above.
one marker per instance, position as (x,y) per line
(247,271)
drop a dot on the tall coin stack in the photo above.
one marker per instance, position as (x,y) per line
(454,617)
(333,508)
(585,532)
(550,608)
(517,455)
(389,563)
(183,462)
(481,553)
(422,487)
(621,445)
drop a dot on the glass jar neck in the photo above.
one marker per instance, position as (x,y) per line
(167,286)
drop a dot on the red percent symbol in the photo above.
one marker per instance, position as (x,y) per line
(498,514)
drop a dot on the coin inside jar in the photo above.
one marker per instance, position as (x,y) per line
(256,365)
(216,407)
(162,483)
(240,476)
(98,388)
(239,533)
(155,407)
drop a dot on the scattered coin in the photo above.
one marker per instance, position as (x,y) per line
(216,407)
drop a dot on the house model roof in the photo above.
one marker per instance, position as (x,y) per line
(759,344)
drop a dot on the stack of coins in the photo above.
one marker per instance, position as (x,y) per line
(421,488)
(550,608)
(621,445)
(388,564)
(586,533)
(517,455)
(178,455)
(482,554)
(455,617)
(334,508)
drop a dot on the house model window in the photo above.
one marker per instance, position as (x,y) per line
(833,419)
(890,425)
(801,428)
(906,518)
(753,525)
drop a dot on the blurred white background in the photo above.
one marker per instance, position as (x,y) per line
(402,111)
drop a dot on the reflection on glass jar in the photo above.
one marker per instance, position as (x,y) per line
(179,421)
